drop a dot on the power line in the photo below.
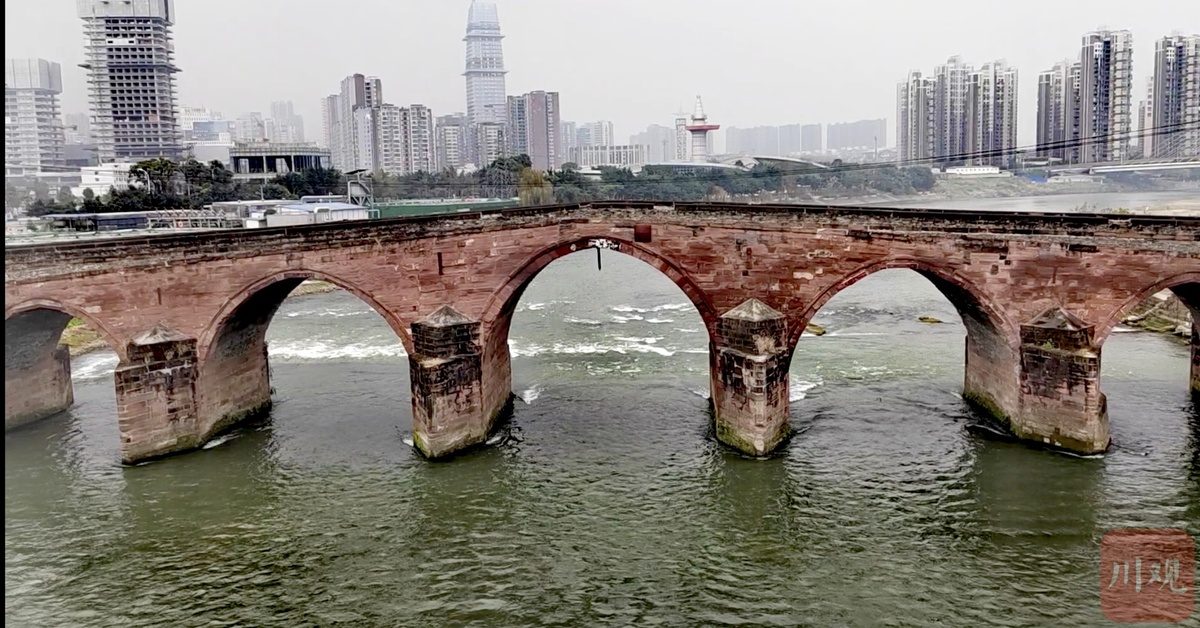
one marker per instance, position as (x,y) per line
(1167,129)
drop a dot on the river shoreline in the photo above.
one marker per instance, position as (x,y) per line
(1175,199)
(311,287)
(1163,313)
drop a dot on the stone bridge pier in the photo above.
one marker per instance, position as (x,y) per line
(748,365)
(450,411)
(1061,403)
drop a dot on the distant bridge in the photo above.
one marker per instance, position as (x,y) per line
(1139,165)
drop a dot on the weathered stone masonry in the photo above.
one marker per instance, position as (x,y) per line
(156,396)
(188,313)
(751,359)
(37,370)
(446,368)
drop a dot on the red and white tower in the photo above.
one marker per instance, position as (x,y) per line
(699,129)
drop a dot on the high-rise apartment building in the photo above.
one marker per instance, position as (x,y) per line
(915,117)
(404,139)
(362,151)
(33,129)
(950,130)
(488,142)
(861,134)
(250,127)
(1057,109)
(453,141)
(1145,115)
(534,125)
(77,127)
(759,140)
(285,126)
(518,131)
(599,133)
(422,149)
(790,138)
(390,139)
(812,138)
(350,134)
(1105,96)
(1175,103)
(658,141)
(992,114)
(131,78)
(366,133)
(570,136)
(486,94)
(330,110)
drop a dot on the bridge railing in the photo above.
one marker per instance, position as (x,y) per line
(1056,223)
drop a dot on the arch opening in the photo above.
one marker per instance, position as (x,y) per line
(896,322)
(1160,320)
(595,308)
(42,342)
(328,321)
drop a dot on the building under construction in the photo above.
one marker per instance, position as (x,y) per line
(131,78)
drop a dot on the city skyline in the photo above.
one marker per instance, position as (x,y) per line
(739,93)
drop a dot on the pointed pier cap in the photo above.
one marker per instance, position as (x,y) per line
(1058,318)
(158,334)
(445,333)
(753,328)
(1058,328)
(753,310)
(446,316)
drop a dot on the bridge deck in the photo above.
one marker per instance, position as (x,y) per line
(949,220)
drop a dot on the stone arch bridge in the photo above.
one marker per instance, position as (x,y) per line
(187,313)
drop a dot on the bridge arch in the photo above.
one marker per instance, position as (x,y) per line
(37,369)
(974,305)
(498,310)
(991,369)
(234,374)
(1185,285)
(293,278)
(503,301)
(32,307)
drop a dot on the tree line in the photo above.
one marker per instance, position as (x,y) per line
(166,184)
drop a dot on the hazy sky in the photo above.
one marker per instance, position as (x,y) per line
(630,61)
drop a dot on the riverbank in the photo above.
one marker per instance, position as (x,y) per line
(81,339)
(1171,199)
(313,286)
(1162,313)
